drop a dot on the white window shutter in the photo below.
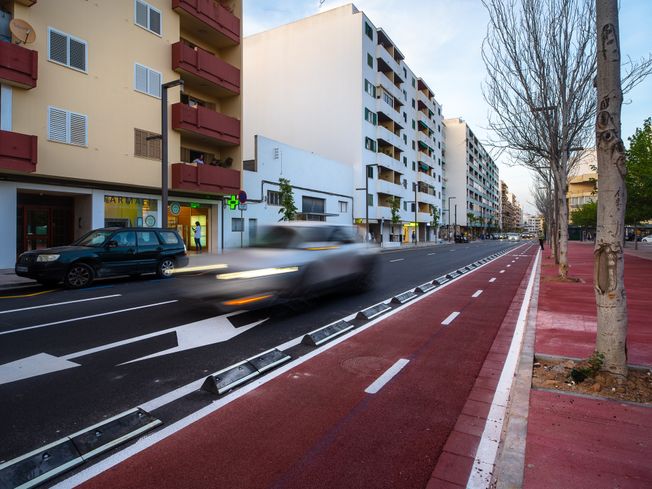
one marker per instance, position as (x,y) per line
(140,80)
(58,47)
(155,21)
(154,83)
(141,14)
(57,125)
(78,129)
(78,54)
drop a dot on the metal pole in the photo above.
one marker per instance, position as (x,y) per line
(366,201)
(416,210)
(164,156)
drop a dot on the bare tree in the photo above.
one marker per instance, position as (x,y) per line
(541,64)
(609,277)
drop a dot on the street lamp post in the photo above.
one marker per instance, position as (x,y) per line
(449,217)
(366,195)
(164,148)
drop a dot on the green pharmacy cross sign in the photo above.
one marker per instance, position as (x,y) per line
(233,202)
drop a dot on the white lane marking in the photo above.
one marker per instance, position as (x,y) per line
(513,261)
(508,266)
(477,293)
(431,254)
(492,279)
(61,303)
(389,374)
(397,259)
(485,456)
(451,317)
(146,442)
(54,323)
(502,271)
(32,366)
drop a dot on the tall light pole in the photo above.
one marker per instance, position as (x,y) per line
(164,148)
(449,217)
(366,196)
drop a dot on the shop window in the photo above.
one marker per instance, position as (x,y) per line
(147,144)
(237,225)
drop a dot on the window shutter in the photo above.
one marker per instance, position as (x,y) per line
(58,47)
(141,14)
(139,143)
(78,55)
(155,21)
(78,129)
(141,78)
(57,125)
(154,83)
(153,147)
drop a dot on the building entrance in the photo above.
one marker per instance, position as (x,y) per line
(182,216)
(43,221)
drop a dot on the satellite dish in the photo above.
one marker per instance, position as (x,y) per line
(22,31)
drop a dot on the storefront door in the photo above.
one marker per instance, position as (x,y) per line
(45,224)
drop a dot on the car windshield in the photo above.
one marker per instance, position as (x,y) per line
(94,238)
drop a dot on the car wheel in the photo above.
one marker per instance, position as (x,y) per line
(79,275)
(165,268)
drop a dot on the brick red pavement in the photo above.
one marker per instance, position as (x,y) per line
(576,442)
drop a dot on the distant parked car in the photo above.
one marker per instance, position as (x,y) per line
(103,253)
(647,239)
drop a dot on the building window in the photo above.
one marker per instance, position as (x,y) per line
(147,17)
(370,88)
(370,116)
(405,161)
(370,144)
(67,50)
(314,206)
(414,125)
(147,144)
(370,200)
(368,31)
(370,60)
(249,165)
(404,139)
(237,225)
(146,80)
(414,166)
(273,197)
(413,104)
(344,206)
(67,127)
(414,82)
(370,171)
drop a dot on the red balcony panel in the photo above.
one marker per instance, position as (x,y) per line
(17,151)
(200,63)
(27,3)
(204,123)
(18,65)
(211,14)
(205,178)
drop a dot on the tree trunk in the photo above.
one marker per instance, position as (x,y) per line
(608,275)
(562,219)
(636,237)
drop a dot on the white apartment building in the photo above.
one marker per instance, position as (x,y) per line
(337,85)
(322,190)
(533,224)
(472,182)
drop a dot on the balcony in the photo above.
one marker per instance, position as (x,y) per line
(202,70)
(205,126)
(388,85)
(387,62)
(205,178)
(390,162)
(426,198)
(390,112)
(208,20)
(18,65)
(17,152)
(389,188)
(423,99)
(384,134)
(27,3)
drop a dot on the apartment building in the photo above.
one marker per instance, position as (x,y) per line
(582,181)
(472,182)
(512,214)
(81,116)
(533,224)
(337,85)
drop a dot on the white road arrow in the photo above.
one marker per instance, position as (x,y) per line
(193,335)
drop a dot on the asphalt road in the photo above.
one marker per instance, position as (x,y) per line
(63,353)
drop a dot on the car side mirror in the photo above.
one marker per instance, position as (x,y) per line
(112,244)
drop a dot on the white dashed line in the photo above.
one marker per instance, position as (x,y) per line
(477,293)
(431,254)
(62,303)
(502,271)
(389,374)
(450,318)
(508,266)
(492,279)
(397,259)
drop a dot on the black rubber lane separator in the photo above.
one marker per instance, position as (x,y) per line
(327,333)
(225,380)
(404,297)
(269,359)
(423,288)
(372,312)
(440,280)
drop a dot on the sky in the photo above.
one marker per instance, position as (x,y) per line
(442,40)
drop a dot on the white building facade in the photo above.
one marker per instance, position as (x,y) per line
(472,181)
(322,190)
(354,101)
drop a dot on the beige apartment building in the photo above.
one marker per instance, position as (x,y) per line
(81,116)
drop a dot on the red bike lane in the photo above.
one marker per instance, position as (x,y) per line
(315,426)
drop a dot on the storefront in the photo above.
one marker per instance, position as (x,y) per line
(43,221)
(121,211)
(184,215)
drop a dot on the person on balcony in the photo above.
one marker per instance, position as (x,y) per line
(199,160)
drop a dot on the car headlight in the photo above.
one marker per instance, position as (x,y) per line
(264,272)
(47,258)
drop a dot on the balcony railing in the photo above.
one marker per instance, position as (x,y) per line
(205,178)
(389,137)
(200,66)
(206,124)
(17,151)
(198,15)
(18,65)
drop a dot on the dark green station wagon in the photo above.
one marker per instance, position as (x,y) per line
(104,253)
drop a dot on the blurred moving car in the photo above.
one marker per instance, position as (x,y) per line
(513,237)
(292,260)
(647,239)
(103,253)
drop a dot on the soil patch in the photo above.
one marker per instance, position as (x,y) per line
(556,375)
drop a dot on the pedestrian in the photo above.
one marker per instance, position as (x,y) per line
(197,230)
(414,237)
(541,241)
